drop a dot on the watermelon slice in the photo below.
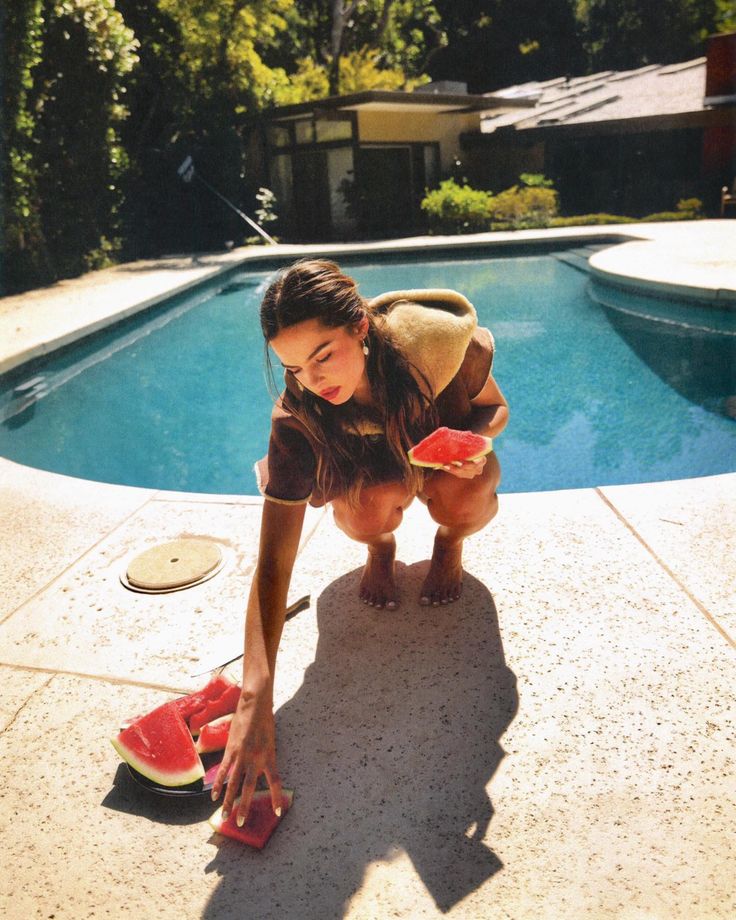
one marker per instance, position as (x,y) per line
(160,746)
(197,701)
(214,689)
(213,735)
(260,823)
(226,703)
(446,445)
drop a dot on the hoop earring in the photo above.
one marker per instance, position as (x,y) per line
(366,349)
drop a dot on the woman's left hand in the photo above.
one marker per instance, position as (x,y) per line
(465,469)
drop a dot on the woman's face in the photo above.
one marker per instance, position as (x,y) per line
(326,360)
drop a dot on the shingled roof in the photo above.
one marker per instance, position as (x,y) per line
(654,90)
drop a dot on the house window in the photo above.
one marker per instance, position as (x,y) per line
(278,135)
(304,131)
(333,130)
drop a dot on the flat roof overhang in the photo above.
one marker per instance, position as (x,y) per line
(703,118)
(391,101)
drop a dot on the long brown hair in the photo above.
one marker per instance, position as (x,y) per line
(318,289)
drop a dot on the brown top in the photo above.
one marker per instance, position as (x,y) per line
(456,356)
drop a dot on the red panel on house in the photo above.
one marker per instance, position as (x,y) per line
(720,74)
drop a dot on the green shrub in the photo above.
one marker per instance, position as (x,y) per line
(662,216)
(690,206)
(524,208)
(104,256)
(590,220)
(454,208)
(535,180)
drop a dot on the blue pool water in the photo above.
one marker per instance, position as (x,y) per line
(603,387)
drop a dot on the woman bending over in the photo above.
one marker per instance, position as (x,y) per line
(364,382)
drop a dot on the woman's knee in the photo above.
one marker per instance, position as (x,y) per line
(464,502)
(379,510)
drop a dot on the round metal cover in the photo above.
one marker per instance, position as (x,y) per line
(174,565)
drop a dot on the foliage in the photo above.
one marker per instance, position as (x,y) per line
(455,208)
(692,206)
(224,45)
(359,70)
(624,34)
(687,209)
(23,242)
(523,208)
(494,43)
(64,158)
(458,208)
(535,180)
(725,19)
(404,33)
(266,210)
(590,220)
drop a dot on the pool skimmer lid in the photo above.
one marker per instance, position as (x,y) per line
(173,566)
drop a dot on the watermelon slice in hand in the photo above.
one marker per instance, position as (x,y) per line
(447,445)
(160,747)
(260,823)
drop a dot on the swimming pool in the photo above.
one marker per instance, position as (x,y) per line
(604,387)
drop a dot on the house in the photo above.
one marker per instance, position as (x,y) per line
(633,142)
(357,166)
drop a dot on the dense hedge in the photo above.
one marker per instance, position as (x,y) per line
(65,62)
(455,208)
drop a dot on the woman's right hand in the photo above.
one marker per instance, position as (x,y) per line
(250,752)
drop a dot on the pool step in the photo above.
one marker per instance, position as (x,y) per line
(578,258)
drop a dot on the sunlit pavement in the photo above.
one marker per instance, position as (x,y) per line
(558,743)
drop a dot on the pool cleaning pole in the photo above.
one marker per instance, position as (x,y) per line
(186,173)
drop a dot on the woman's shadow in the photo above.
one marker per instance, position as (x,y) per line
(390,744)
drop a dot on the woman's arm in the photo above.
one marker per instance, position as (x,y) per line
(251,747)
(490,410)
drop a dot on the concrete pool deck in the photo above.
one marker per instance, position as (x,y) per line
(559,743)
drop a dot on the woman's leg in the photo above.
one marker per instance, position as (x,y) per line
(377,515)
(460,507)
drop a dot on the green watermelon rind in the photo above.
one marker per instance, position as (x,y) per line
(169,778)
(487,448)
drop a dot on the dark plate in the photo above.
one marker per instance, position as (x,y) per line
(200,787)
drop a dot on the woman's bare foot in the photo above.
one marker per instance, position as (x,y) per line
(378,584)
(444,581)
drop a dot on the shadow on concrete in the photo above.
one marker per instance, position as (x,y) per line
(127,796)
(389,744)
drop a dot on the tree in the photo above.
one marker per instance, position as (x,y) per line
(66,63)
(23,246)
(396,35)
(495,43)
(624,34)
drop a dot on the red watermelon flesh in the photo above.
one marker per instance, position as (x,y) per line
(196,702)
(226,703)
(190,704)
(260,823)
(213,735)
(445,445)
(160,746)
